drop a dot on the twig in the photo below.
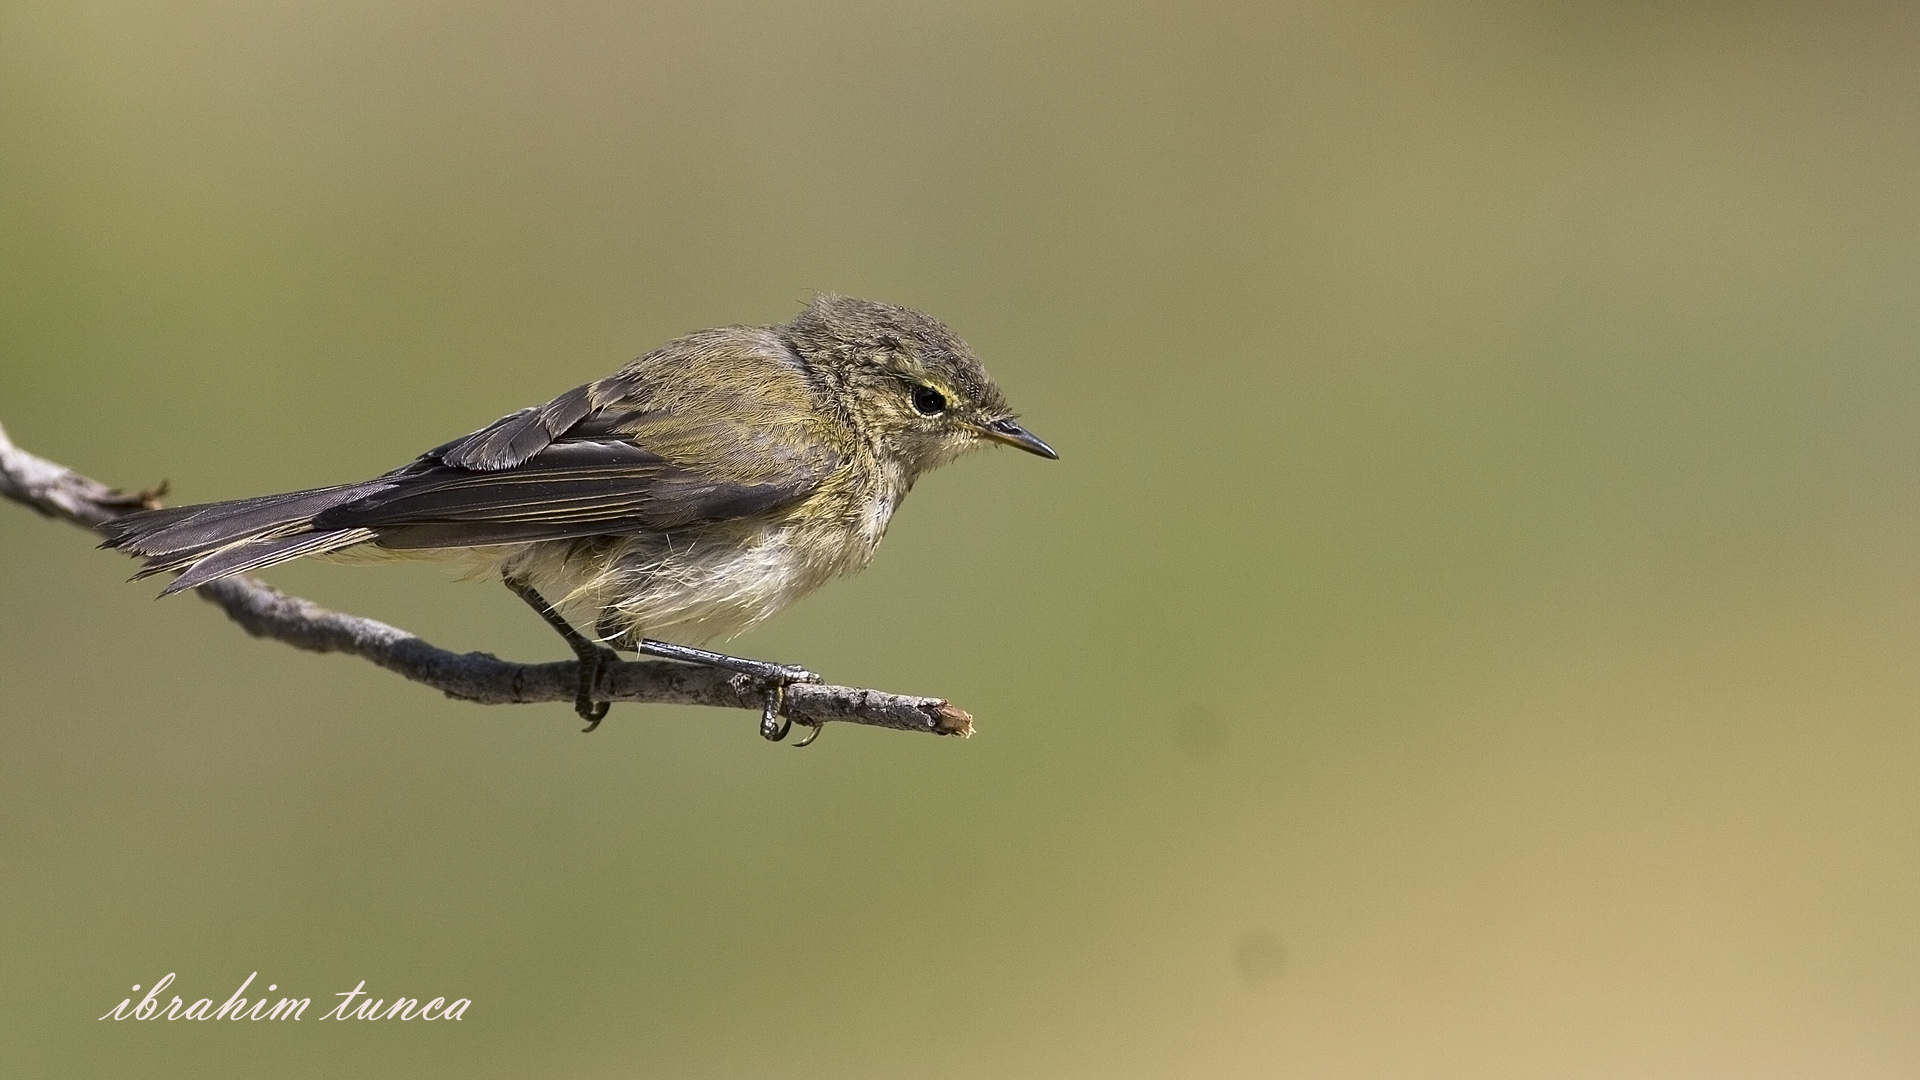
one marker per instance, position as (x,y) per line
(264,611)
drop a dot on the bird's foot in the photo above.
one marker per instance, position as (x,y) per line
(593,664)
(777,677)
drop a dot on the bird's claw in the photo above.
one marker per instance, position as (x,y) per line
(773,726)
(592,665)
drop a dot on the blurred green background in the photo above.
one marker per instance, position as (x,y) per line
(1472,630)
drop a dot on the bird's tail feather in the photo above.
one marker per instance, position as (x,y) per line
(216,540)
(256,554)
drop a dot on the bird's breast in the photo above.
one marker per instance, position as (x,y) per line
(697,584)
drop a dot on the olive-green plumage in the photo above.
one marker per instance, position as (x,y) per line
(698,490)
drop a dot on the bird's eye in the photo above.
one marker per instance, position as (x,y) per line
(928,402)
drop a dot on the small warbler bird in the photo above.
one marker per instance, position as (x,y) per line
(693,493)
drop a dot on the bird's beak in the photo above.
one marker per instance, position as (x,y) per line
(1013,434)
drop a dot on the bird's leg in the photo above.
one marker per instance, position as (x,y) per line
(776,677)
(759,669)
(593,658)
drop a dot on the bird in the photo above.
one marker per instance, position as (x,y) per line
(700,489)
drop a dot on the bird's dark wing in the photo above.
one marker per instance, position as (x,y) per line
(592,487)
(602,459)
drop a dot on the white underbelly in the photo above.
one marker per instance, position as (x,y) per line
(692,591)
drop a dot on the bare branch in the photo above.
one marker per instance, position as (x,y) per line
(264,611)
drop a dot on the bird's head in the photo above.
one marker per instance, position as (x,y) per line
(906,381)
